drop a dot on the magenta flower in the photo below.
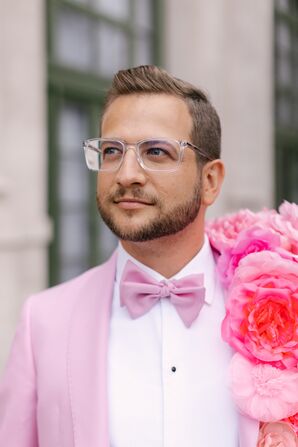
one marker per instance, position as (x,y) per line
(252,240)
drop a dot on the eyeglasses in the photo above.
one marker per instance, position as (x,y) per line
(103,154)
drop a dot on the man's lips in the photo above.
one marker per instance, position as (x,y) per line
(131,203)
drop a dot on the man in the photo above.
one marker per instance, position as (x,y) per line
(130,353)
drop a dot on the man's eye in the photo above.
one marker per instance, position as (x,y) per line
(111,150)
(156,151)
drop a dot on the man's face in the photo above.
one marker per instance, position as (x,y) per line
(140,205)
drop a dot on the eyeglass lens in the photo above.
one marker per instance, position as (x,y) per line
(154,154)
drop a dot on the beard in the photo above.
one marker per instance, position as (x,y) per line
(168,222)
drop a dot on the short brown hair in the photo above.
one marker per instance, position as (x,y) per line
(206,131)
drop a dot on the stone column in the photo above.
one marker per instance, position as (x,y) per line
(24,225)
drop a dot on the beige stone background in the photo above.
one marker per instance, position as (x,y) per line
(225,46)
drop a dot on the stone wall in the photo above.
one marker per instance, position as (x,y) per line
(226,47)
(24,226)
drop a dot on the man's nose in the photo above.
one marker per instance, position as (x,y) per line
(130,171)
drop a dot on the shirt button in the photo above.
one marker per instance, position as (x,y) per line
(173,368)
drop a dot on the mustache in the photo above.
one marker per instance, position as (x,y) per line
(133,193)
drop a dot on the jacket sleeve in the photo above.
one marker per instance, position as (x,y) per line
(18,394)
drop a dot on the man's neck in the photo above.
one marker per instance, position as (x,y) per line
(169,254)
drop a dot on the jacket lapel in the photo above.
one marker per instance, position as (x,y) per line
(87,356)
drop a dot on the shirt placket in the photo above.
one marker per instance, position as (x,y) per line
(170,371)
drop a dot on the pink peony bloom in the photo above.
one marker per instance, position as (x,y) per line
(262,310)
(223,231)
(289,211)
(286,225)
(252,240)
(262,391)
(277,434)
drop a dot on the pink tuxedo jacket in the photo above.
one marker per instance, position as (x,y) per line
(54,389)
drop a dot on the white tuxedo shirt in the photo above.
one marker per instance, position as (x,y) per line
(168,384)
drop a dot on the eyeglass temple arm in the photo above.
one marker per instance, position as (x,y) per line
(200,151)
(87,144)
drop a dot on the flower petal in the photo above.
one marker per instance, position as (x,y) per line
(262,391)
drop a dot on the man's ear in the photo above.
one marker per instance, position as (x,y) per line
(213,174)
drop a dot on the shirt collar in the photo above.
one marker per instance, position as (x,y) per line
(202,262)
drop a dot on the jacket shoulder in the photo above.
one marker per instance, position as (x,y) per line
(65,294)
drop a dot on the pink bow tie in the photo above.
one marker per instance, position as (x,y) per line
(139,292)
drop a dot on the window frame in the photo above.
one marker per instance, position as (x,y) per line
(88,88)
